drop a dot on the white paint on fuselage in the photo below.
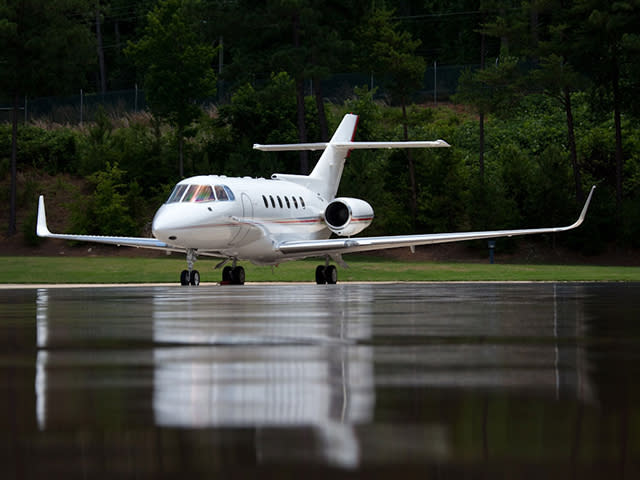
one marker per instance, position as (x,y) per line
(244,228)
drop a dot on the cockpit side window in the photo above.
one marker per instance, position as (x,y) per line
(177,193)
(221,193)
(230,194)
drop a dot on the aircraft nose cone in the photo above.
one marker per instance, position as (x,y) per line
(164,225)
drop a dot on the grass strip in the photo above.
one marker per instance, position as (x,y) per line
(53,270)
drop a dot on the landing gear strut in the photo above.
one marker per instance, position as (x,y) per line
(190,276)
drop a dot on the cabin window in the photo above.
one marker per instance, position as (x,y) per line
(302,203)
(279,201)
(286,199)
(295,202)
(264,199)
(177,193)
(273,203)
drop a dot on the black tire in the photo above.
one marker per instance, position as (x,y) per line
(226,274)
(184,277)
(195,278)
(331,274)
(320,277)
(237,276)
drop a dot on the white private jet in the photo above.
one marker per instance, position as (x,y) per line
(270,221)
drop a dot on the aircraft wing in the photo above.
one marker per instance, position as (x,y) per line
(311,248)
(141,242)
(42,230)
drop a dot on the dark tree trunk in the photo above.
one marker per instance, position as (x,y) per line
(481,154)
(302,130)
(322,116)
(618,128)
(481,116)
(571,137)
(412,169)
(14,159)
(103,73)
(181,153)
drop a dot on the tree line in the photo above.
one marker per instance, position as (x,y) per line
(573,63)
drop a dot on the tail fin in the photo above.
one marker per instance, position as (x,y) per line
(331,163)
(326,175)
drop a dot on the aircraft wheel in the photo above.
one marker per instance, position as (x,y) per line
(226,274)
(320,277)
(237,276)
(195,278)
(331,274)
(184,277)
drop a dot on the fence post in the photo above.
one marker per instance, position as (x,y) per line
(135,99)
(25,109)
(435,83)
(81,105)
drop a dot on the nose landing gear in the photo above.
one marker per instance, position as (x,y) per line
(190,276)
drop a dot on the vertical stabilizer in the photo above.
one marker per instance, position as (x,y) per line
(325,177)
(329,168)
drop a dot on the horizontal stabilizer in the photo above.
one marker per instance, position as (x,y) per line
(349,145)
(293,147)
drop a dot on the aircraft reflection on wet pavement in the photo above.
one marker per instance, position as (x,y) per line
(345,377)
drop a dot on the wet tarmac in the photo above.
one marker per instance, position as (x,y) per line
(305,381)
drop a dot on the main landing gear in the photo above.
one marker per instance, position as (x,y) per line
(326,274)
(233,275)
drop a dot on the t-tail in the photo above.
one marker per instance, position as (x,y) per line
(326,175)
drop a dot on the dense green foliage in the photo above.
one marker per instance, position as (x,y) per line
(527,180)
(176,64)
(552,109)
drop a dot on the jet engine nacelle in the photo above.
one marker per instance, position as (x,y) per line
(347,216)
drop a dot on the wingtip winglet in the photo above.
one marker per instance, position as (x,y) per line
(41,227)
(583,213)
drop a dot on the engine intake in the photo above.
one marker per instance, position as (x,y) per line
(347,216)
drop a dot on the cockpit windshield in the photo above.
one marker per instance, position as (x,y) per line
(200,193)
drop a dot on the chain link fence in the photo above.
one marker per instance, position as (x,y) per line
(440,82)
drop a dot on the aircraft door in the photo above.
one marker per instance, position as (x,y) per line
(247,213)
(247,206)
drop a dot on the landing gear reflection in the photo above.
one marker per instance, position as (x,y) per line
(190,276)
(326,274)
